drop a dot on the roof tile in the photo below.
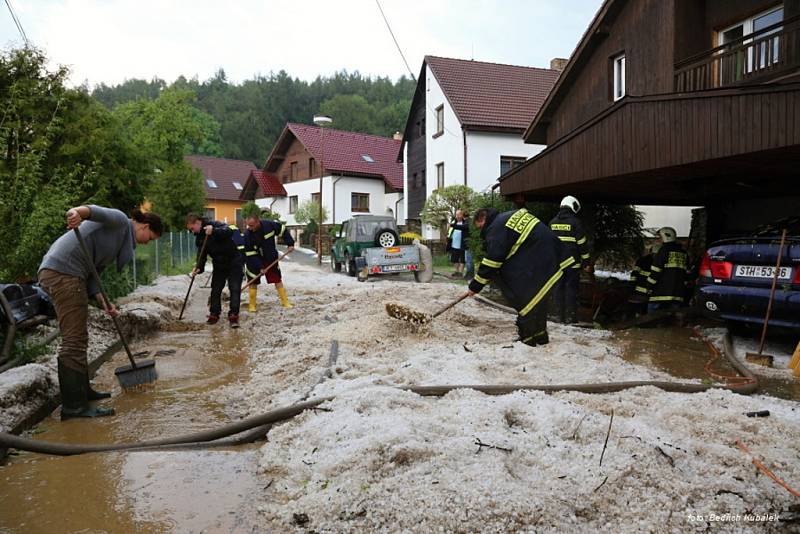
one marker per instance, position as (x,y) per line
(492,95)
(345,151)
(224,172)
(269,184)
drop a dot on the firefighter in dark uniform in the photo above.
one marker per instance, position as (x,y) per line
(226,249)
(667,280)
(569,230)
(260,251)
(525,260)
(637,299)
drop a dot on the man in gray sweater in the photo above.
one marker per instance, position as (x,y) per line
(67,277)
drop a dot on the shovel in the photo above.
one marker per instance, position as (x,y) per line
(135,374)
(767,359)
(186,298)
(253,281)
(398,311)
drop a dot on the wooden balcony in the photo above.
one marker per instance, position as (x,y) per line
(754,58)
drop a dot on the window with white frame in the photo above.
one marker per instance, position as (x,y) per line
(237,186)
(439,120)
(439,175)
(211,183)
(293,204)
(760,54)
(618,89)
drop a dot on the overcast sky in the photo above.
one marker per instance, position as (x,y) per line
(111,40)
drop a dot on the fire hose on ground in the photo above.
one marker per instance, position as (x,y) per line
(746,384)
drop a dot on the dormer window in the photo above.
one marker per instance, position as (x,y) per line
(237,186)
(212,184)
(367,158)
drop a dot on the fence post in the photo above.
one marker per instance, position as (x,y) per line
(157,240)
(134,268)
(171,252)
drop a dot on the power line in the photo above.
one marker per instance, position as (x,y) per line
(393,38)
(17,22)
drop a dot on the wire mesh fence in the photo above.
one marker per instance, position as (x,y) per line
(172,253)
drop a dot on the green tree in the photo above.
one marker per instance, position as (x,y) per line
(176,191)
(133,89)
(440,208)
(252,114)
(308,212)
(163,131)
(167,128)
(250,209)
(353,113)
(58,148)
(615,233)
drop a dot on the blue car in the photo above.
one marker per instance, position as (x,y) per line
(736,276)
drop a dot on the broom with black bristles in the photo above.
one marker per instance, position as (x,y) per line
(135,374)
(404,313)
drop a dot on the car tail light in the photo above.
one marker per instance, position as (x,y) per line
(715,269)
(797,274)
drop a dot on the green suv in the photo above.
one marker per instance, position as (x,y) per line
(360,233)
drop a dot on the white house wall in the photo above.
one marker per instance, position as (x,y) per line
(394,203)
(345,186)
(483,156)
(448,147)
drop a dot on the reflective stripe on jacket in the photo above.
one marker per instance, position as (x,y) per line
(260,248)
(523,258)
(667,280)
(221,245)
(569,231)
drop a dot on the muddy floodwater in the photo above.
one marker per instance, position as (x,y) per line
(679,352)
(157,491)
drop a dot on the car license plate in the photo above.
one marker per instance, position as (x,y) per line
(763,271)
(394,268)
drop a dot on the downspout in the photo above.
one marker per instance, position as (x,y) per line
(333,186)
(402,196)
(464,132)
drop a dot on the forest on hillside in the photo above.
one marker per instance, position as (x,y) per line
(62,146)
(250,115)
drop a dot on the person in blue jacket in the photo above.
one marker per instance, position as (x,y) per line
(261,253)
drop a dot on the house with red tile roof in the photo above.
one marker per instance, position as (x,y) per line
(265,187)
(358,173)
(466,123)
(224,181)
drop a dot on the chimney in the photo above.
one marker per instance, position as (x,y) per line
(397,136)
(558,63)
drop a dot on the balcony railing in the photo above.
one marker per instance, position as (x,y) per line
(752,58)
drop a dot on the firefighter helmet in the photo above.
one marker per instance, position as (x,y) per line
(667,234)
(571,202)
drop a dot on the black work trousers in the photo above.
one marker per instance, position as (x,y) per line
(231,273)
(532,328)
(565,296)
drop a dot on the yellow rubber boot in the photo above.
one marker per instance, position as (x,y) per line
(251,303)
(284,299)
